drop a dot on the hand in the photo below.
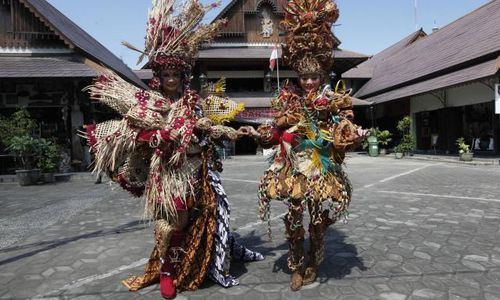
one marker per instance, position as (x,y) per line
(252,132)
(242,131)
(361,135)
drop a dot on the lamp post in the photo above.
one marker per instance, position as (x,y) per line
(332,77)
(203,79)
(372,116)
(267,83)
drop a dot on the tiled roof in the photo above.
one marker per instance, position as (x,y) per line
(365,69)
(483,70)
(360,102)
(261,52)
(86,45)
(59,66)
(470,40)
(144,74)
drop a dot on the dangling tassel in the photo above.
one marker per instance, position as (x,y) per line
(163,186)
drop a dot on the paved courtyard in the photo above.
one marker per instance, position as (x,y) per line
(417,230)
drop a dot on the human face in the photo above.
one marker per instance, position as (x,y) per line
(310,82)
(170,81)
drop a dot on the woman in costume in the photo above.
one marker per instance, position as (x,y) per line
(164,149)
(311,132)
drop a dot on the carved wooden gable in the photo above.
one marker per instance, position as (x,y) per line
(252,21)
(20,27)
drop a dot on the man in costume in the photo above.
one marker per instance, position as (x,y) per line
(311,133)
(164,149)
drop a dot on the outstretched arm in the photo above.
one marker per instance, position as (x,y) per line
(266,135)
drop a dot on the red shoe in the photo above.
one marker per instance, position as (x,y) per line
(167,271)
(167,287)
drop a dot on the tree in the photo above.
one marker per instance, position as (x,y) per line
(17,125)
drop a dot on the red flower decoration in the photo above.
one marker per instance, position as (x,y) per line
(178,123)
(158,103)
(321,103)
(102,79)
(181,149)
(142,96)
(155,83)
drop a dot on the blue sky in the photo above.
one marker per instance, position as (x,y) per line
(365,26)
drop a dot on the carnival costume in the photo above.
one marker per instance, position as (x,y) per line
(164,149)
(310,135)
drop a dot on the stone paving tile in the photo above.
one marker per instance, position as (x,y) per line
(403,240)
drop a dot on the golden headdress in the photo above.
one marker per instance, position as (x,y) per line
(174,33)
(309,42)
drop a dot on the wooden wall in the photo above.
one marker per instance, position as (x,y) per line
(244,21)
(236,17)
(254,5)
(20,28)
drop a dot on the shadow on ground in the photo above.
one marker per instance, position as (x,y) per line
(48,245)
(340,257)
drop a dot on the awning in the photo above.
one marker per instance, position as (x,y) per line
(462,76)
(252,102)
(240,53)
(359,102)
(256,115)
(253,52)
(258,110)
(266,101)
(36,67)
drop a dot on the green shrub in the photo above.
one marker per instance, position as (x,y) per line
(462,146)
(407,143)
(384,137)
(25,147)
(16,125)
(49,156)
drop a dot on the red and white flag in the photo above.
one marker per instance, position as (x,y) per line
(273,58)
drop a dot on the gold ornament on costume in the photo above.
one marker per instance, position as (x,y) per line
(218,108)
(309,42)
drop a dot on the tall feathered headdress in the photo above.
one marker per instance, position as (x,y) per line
(175,33)
(309,41)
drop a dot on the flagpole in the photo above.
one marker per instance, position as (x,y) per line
(415,12)
(278,68)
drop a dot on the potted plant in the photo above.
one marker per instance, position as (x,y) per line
(15,134)
(398,153)
(49,158)
(370,144)
(384,137)
(25,147)
(464,150)
(407,143)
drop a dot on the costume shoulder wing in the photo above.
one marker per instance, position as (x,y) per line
(144,109)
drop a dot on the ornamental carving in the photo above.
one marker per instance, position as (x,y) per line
(266,23)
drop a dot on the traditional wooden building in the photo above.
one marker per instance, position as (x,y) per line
(444,80)
(45,62)
(241,55)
